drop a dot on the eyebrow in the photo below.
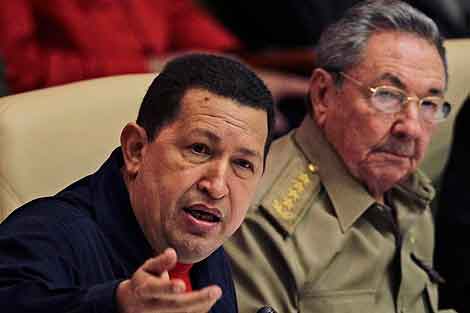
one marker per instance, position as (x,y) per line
(396,81)
(206,133)
(213,137)
(251,153)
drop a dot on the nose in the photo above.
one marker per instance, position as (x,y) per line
(409,121)
(214,181)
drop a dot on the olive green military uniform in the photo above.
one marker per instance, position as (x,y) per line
(316,241)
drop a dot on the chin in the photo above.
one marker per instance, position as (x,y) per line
(380,180)
(192,251)
(383,182)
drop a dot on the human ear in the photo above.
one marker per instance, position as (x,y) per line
(134,142)
(321,86)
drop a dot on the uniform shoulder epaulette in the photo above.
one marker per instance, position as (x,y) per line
(290,194)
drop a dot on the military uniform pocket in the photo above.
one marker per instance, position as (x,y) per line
(359,301)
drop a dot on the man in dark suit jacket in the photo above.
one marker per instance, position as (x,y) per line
(144,233)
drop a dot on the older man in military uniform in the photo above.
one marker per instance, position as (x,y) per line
(342,222)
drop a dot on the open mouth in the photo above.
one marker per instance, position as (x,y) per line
(203,214)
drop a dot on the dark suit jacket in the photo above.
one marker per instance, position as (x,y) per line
(69,252)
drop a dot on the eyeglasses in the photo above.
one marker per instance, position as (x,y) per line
(390,99)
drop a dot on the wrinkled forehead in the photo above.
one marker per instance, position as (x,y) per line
(202,108)
(402,58)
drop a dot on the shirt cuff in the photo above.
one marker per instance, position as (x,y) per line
(102,297)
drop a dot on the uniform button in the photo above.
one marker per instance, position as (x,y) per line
(312,168)
(412,238)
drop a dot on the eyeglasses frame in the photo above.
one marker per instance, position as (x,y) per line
(408,99)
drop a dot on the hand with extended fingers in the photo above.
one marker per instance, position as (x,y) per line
(151,290)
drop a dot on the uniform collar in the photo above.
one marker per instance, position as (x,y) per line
(349,197)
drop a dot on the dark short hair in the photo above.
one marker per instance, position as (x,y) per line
(217,74)
(342,44)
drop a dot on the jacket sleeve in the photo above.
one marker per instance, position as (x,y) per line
(32,62)
(38,273)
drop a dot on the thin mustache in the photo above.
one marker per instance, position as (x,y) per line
(405,148)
